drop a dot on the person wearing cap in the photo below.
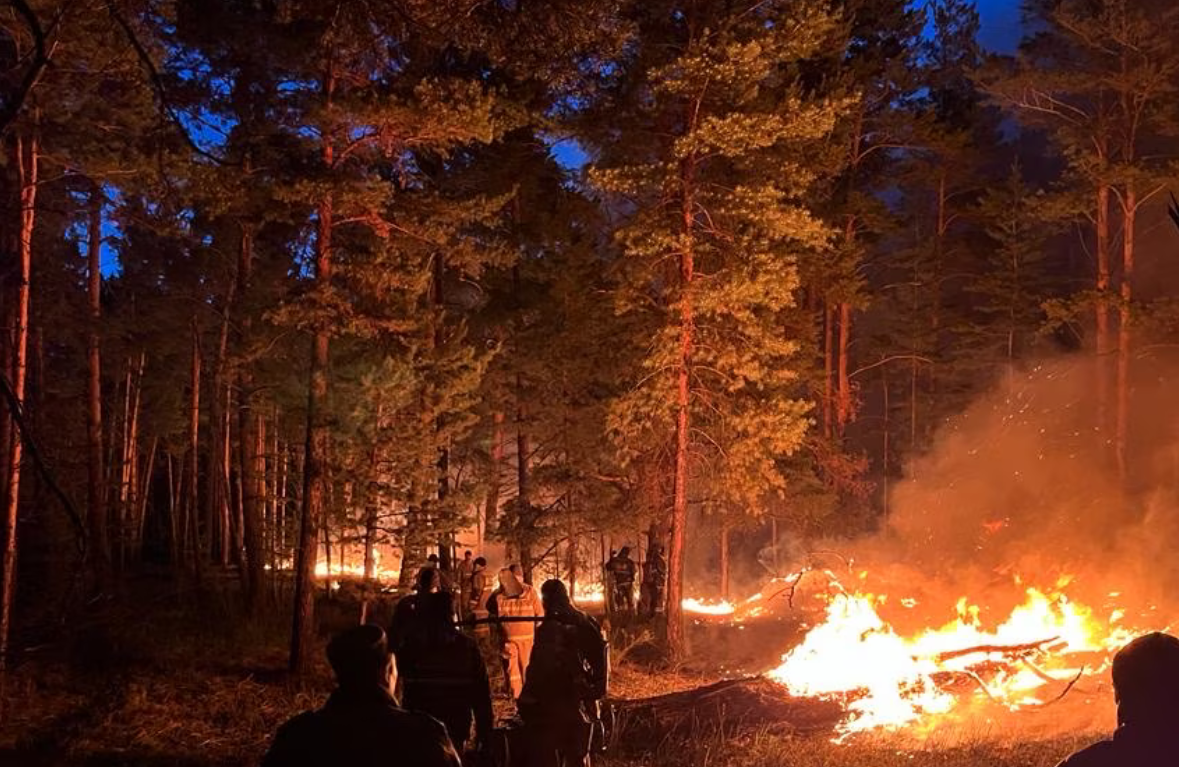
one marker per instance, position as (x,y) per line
(1146,690)
(518,602)
(442,674)
(361,722)
(566,680)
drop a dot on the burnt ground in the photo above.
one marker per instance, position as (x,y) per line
(145,683)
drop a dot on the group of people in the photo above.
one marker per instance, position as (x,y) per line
(554,660)
(620,572)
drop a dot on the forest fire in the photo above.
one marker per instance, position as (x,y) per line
(886,680)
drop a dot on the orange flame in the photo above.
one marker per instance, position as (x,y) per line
(888,681)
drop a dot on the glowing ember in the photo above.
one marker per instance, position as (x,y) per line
(889,681)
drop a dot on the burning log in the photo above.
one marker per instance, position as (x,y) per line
(1013,650)
(727,706)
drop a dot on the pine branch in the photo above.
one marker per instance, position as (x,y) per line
(41,58)
(161,91)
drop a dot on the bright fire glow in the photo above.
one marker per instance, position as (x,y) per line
(707,607)
(888,681)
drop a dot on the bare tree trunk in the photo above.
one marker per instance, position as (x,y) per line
(843,401)
(248,437)
(143,497)
(828,367)
(318,434)
(1125,320)
(844,408)
(194,453)
(27,167)
(1103,330)
(372,504)
(217,479)
(676,638)
(523,494)
(494,479)
(95,485)
(174,526)
(129,480)
(724,561)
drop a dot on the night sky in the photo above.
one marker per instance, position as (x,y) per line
(1000,24)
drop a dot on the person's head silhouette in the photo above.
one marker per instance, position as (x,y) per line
(1146,680)
(360,658)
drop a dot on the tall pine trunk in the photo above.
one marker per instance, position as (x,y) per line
(192,511)
(217,479)
(494,480)
(828,367)
(523,490)
(1102,309)
(96,515)
(1122,423)
(676,638)
(843,400)
(724,561)
(318,435)
(27,166)
(248,435)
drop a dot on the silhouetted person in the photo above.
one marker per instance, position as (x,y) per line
(622,577)
(405,612)
(442,674)
(361,723)
(566,679)
(1146,689)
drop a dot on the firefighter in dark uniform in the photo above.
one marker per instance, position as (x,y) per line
(1146,688)
(621,569)
(566,681)
(654,578)
(361,723)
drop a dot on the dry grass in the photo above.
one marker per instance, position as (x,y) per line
(772,749)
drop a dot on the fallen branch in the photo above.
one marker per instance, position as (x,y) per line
(1063,692)
(1014,649)
(1042,674)
(726,706)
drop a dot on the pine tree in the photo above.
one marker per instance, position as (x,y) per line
(708,163)
(1100,80)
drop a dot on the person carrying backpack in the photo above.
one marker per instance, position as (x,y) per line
(566,679)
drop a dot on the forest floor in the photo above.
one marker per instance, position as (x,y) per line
(159,685)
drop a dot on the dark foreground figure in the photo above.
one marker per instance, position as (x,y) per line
(442,674)
(1146,688)
(361,723)
(566,679)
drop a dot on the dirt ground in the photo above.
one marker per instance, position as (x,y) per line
(200,688)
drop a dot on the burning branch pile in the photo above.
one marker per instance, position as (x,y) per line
(884,680)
